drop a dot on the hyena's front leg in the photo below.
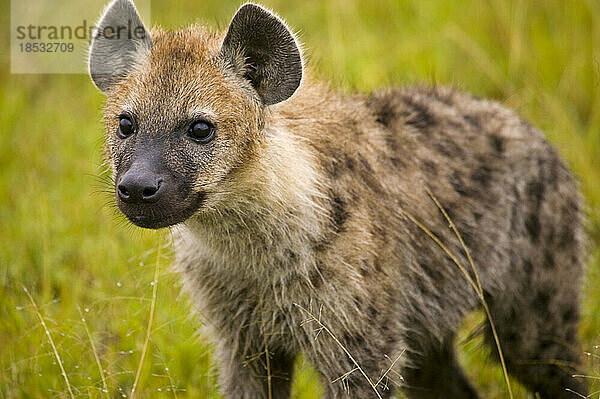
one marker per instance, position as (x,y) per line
(249,376)
(360,376)
(347,381)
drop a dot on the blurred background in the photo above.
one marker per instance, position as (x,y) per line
(91,276)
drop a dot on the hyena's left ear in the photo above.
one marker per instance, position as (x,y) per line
(120,42)
(263,50)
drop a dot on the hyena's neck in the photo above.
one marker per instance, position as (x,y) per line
(274,219)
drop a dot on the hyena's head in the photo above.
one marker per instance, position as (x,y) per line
(186,109)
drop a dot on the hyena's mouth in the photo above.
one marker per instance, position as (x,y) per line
(162,214)
(153,198)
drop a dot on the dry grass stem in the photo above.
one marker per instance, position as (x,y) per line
(389,368)
(476,284)
(58,360)
(89,335)
(267,359)
(578,394)
(480,291)
(150,319)
(593,377)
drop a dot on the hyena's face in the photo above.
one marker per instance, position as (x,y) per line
(176,128)
(185,109)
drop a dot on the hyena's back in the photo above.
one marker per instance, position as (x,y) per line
(503,184)
(518,209)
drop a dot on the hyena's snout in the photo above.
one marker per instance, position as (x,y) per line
(141,186)
(153,198)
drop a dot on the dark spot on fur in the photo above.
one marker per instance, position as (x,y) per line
(515,214)
(550,168)
(368,176)
(497,144)
(554,174)
(549,262)
(323,243)
(355,340)
(532,224)
(535,191)
(291,255)
(431,270)
(567,234)
(542,301)
(438,233)
(450,212)
(339,213)
(546,345)
(364,269)
(391,142)
(316,279)
(511,336)
(477,216)
(372,311)
(482,176)
(350,163)
(377,264)
(418,115)
(422,287)
(398,162)
(339,163)
(429,167)
(571,334)
(468,237)
(457,184)
(378,267)
(571,315)
(473,121)
(514,218)
(384,119)
(347,338)
(528,267)
(332,167)
(366,165)
(447,148)
(383,109)
(550,236)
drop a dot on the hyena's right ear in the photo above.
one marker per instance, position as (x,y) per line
(120,42)
(264,51)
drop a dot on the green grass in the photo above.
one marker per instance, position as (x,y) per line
(60,239)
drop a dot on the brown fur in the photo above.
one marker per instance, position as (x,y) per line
(301,209)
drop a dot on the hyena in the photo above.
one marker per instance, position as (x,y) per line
(300,214)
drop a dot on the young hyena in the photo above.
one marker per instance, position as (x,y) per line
(292,200)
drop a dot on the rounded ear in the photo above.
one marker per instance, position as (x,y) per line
(263,50)
(119,42)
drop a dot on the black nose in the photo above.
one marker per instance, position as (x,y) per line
(140,186)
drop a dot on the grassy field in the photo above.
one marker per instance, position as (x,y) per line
(91,276)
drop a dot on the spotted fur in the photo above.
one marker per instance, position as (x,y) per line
(300,219)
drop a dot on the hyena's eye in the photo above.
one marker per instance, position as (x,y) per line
(201,131)
(126,127)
